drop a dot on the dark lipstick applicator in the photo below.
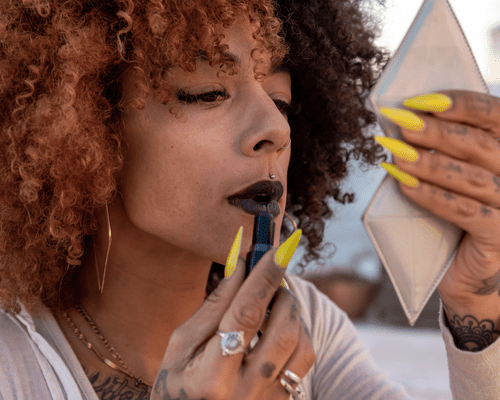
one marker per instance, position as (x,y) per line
(263,239)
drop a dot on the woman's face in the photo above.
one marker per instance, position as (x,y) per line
(180,171)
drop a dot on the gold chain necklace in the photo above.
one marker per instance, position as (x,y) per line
(125,370)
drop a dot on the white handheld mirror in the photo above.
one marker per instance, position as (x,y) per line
(415,246)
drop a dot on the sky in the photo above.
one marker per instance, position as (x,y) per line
(477,17)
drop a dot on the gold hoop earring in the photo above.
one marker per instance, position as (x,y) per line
(100,283)
(292,221)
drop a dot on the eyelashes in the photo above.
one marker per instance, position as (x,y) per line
(214,96)
(291,108)
(206,97)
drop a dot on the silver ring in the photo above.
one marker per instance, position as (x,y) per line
(289,143)
(293,377)
(297,394)
(232,342)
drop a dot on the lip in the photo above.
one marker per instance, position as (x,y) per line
(245,198)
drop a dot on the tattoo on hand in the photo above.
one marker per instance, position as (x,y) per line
(161,388)
(483,104)
(472,335)
(267,369)
(449,196)
(491,284)
(458,129)
(486,211)
(453,167)
(294,311)
(496,179)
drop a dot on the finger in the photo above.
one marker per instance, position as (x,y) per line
(470,108)
(284,344)
(458,141)
(471,215)
(247,310)
(202,325)
(454,175)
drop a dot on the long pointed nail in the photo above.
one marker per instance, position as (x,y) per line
(400,175)
(398,148)
(404,118)
(232,258)
(287,249)
(433,102)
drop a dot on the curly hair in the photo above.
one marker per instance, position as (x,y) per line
(61,150)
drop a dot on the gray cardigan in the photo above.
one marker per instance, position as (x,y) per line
(36,361)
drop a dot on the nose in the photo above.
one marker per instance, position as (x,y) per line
(265,128)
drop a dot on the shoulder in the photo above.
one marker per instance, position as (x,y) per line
(20,373)
(316,307)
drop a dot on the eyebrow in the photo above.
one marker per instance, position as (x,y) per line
(237,61)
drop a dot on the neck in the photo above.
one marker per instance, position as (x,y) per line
(149,290)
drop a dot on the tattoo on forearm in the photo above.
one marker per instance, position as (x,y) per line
(491,285)
(267,369)
(472,335)
(161,388)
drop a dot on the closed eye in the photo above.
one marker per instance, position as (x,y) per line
(206,97)
(285,108)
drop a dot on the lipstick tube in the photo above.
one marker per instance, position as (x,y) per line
(263,239)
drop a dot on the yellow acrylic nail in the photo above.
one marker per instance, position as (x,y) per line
(404,118)
(284,284)
(232,258)
(400,175)
(398,148)
(434,102)
(285,252)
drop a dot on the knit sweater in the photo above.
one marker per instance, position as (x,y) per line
(37,362)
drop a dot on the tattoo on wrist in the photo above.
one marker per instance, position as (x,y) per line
(468,333)
(491,285)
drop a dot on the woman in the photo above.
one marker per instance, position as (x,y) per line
(138,137)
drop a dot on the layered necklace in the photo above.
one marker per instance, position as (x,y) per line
(124,369)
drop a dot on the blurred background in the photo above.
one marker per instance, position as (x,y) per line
(353,276)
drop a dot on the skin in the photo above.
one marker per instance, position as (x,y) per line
(460,183)
(171,220)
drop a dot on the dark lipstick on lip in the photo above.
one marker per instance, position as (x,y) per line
(263,239)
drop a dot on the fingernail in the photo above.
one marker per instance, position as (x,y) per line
(285,252)
(398,148)
(232,258)
(404,118)
(433,102)
(400,175)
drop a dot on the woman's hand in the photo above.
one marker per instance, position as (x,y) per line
(194,366)
(460,182)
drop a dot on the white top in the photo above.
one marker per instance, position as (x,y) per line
(37,362)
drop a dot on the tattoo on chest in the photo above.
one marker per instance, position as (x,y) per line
(116,388)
